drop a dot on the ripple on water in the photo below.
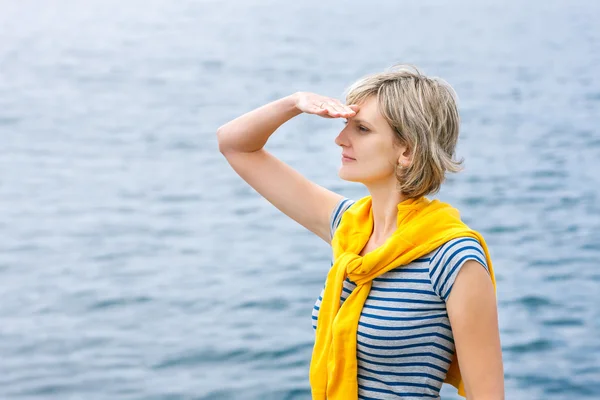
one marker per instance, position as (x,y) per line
(496,229)
(119,302)
(560,277)
(533,302)
(281,353)
(563,322)
(272,304)
(552,385)
(533,346)
(221,394)
(210,356)
(204,356)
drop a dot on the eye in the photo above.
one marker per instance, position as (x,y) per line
(361,128)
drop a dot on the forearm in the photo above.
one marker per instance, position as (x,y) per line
(251,131)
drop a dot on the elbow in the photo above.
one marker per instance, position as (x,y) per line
(223,148)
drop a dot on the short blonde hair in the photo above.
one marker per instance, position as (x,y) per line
(424,115)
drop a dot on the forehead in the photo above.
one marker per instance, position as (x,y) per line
(369,111)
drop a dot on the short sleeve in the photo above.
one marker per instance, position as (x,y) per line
(336,214)
(449,258)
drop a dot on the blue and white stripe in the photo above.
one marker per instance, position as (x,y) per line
(404,341)
(336,215)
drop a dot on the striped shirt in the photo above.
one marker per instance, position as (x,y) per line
(404,340)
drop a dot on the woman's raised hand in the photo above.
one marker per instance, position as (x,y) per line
(326,107)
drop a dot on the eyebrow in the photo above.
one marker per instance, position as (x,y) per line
(362,121)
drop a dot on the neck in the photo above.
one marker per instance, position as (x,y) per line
(384,206)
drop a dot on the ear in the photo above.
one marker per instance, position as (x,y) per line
(405,157)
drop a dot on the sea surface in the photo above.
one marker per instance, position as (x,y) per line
(135,264)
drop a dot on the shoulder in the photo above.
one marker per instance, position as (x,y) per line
(446,261)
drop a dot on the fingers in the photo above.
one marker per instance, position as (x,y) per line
(321,108)
(336,109)
(325,106)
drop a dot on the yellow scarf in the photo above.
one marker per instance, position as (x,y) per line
(423,226)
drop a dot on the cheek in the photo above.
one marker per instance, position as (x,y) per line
(380,162)
(385,156)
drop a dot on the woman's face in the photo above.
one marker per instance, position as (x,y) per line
(370,143)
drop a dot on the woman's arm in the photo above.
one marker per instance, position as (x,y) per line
(241,141)
(473,315)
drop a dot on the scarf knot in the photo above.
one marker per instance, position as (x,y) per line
(353,263)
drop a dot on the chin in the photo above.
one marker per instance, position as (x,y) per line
(349,176)
(365,177)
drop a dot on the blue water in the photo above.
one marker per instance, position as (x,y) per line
(135,264)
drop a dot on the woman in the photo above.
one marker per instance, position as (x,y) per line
(409,302)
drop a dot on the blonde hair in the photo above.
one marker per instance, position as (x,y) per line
(424,115)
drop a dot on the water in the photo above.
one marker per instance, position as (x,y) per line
(135,264)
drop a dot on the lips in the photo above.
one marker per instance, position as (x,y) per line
(347,157)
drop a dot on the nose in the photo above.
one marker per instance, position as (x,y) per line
(342,138)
